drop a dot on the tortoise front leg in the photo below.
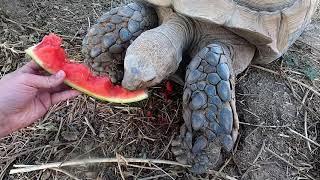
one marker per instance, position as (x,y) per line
(211,121)
(106,42)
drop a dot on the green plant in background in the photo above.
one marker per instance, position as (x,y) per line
(291,60)
(302,65)
(309,70)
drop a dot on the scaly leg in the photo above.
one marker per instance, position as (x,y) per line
(211,121)
(106,42)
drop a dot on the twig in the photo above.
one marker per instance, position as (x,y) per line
(315,113)
(289,78)
(14,51)
(142,167)
(77,145)
(306,118)
(167,147)
(162,170)
(119,157)
(66,173)
(37,29)
(93,161)
(89,24)
(90,126)
(154,177)
(19,24)
(304,98)
(306,129)
(308,44)
(260,152)
(252,113)
(283,159)
(31,150)
(69,37)
(224,165)
(4,169)
(304,137)
(263,126)
(223,175)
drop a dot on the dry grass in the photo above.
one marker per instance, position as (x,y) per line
(86,128)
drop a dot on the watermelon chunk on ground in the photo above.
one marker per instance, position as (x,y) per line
(51,56)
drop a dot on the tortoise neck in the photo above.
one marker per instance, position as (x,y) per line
(181,31)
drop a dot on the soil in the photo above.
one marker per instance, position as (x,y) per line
(272,110)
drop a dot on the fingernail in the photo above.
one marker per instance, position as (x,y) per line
(60,74)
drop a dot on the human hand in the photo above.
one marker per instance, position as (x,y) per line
(26,96)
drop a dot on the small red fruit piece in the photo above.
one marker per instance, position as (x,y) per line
(149,114)
(169,87)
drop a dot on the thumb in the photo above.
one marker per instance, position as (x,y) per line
(47,81)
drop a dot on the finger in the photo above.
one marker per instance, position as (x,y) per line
(47,82)
(30,67)
(59,88)
(61,96)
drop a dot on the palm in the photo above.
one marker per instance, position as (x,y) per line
(25,96)
(33,107)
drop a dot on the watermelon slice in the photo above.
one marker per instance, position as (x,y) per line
(51,56)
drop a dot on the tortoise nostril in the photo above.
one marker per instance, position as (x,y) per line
(135,71)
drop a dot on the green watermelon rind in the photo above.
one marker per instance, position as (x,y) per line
(138,97)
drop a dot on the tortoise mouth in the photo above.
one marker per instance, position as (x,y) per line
(269,5)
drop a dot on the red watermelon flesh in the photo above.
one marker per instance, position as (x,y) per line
(51,56)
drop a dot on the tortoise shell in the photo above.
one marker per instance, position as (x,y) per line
(271,25)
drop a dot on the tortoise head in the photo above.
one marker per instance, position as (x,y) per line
(139,73)
(155,54)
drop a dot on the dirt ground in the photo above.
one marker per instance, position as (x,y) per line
(275,110)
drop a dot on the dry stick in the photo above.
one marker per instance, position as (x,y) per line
(19,24)
(283,159)
(304,137)
(166,148)
(260,152)
(37,29)
(77,145)
(93,161)
(118,156)
(306,118)
(306,129)
(142,167)
(13,156)
(90,126)
(221,169)
(4,169)
(21,165)
(162,170)
(312,46)
(222,175)
(14,51)
(289,78)
(252,113)
(262,126)
(153,177)
(56,139)
(315,113)
(304,98)
(66,173)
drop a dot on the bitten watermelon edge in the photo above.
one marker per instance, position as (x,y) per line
(51,56)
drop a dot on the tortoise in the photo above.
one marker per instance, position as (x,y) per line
(210,42)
